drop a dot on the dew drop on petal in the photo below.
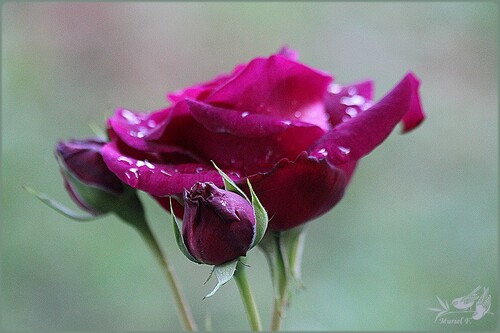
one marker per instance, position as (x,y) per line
(297,114)
(151,123)
(334,88)
(352,91)
(130,117)
(133,176)
(322,152)
(286,122)
(199,169)
(139,163)
(244,114)
(140,135)
(125,159)
(367,105)
(351,112)
(164,172)
(148,164)
(344,150)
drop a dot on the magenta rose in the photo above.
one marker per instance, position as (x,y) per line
(283,125)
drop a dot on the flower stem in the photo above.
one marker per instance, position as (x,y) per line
(281,286)
(241,279)
(183,310)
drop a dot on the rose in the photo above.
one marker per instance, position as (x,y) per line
(218,226)
(283,125)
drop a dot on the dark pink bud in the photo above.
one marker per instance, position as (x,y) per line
(219,225)
(87,179)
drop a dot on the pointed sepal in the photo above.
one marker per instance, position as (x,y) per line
(229,184)
(223,273)
(178,235)
(59,207)
(261,219)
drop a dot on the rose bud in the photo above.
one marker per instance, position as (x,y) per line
(87,179)
(219,225)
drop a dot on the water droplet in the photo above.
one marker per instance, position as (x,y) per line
(199,169)
(151,123)
(149,165)
(140,134)
(130,117)
(165,173)
(133,176)
(244,114)
(139,163)
(323,152)
(351,112)
(344,150)
(352,90)
(125,159)
(334,88)
(354,100)
(297,114)
(286,122)
(367,105)
(268,156)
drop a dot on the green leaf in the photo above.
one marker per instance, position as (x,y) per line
(59,207)
(261,219)
(229,184)
(223,273)
(178,236)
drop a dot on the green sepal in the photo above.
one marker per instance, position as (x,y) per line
(178,236)
(59,207)
(99,132)
(293,241)
(229,184)
(261,218)
(223,273)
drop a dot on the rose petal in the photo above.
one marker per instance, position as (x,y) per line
(156,178)
(276,86)
(134,127)
(345,102)
(242,124)
(358,136)
(294,192)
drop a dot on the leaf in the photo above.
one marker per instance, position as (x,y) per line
(229,184)
(435,310)
(178,236)
(441,302)
(261,218)
(447,306)
(59,207)
(223,273)
(440,314)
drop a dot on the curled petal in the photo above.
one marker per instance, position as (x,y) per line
(357,137)
(345,102)
(276,86)
(133,128)
(242,124)
(294,192)
(157,178)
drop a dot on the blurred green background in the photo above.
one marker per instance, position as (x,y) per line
(419,219)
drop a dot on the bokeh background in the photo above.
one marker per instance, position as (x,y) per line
(419,220)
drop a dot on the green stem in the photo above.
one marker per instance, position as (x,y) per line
(281,286)
(132,212)
(241,279)
(182,306)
